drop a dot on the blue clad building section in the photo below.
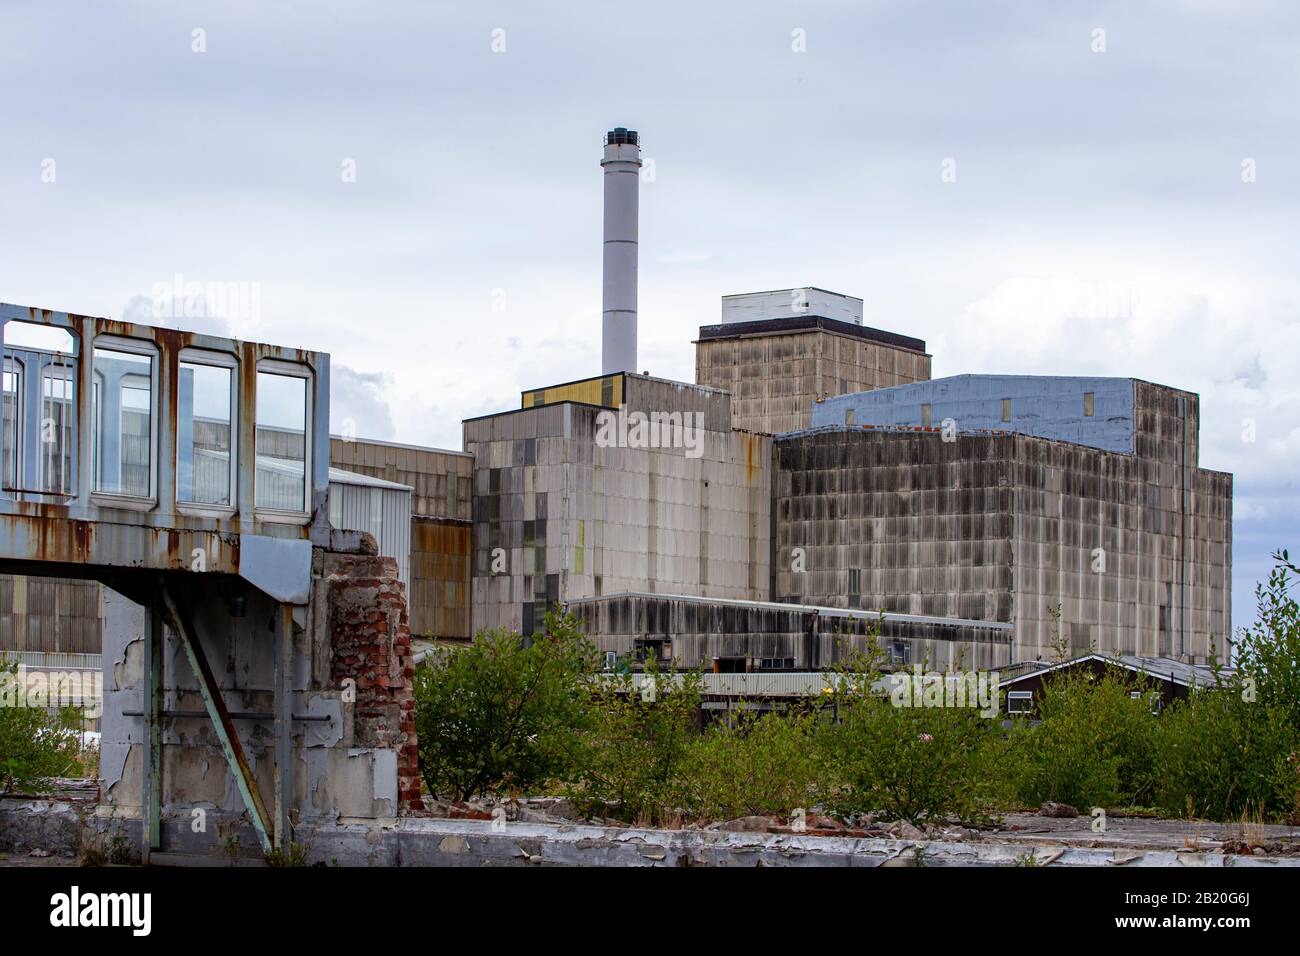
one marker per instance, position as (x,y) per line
(1097,412)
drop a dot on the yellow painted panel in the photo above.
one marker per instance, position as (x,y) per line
(589,391)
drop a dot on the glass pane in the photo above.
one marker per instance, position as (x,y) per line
(41,338)
(123,402)
(281,442)
(203,434)
(9,440)
(57,438)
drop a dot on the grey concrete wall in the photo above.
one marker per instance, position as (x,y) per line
(574,519)
(1007,527)
(899,522)
(776,377)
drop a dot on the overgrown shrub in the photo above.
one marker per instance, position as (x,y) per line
(1221,757)
(35,744)
(1230,751)
(911,763)
(1268,652)
(504,714)
(764,765)
(507,715)
(631,763)
(1095,746)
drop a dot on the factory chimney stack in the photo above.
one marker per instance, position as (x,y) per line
(622,165)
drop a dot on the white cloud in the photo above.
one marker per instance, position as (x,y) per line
(1235,347)
(358,407)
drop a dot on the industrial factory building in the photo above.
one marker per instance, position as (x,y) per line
(812,485)
(1071,507)
(992,519)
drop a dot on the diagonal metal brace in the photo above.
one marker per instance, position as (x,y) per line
(225,727)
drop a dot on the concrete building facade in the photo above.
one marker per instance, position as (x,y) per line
(777,368)
(1096,530)
(578,500)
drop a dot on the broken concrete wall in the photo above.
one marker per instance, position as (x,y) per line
(353,731)
(370,644)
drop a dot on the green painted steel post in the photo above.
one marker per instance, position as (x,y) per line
(153,742)
(222,723)
(283,724)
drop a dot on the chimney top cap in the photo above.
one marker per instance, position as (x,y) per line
(621,135)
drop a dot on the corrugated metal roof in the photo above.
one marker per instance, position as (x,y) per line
(397,444)
(822,611)
(341,477)
(1166,668)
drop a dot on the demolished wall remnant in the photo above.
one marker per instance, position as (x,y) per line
(370,640)
(353,752)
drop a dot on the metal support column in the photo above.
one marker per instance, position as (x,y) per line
(283,707)
(152,742)
(221,721)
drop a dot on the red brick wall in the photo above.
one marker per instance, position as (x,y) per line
(370,638)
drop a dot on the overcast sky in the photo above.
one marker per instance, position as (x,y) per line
(387,187)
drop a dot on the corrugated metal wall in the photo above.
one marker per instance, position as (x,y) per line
(438,587)
(383,512)
(49,615)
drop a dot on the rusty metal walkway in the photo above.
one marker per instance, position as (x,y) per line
(146,457)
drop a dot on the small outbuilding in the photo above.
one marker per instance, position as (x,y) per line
(1167,679)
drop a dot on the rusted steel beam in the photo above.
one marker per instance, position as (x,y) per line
(221,720)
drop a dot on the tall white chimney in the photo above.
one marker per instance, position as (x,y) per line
(622,165)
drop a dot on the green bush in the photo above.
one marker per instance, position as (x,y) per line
(503,714)
(1095,746)
(1220,757)
(1268,652)
(35,744)
(756,765)
(911,763)
(632,761)
(507,714)
(1231,751)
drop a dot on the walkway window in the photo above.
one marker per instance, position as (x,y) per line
(281,441)
(38,437)
(12,392)
(123,408)
(57,437)
(1088,398)
(205,430)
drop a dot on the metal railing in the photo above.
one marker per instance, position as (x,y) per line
(54,660)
